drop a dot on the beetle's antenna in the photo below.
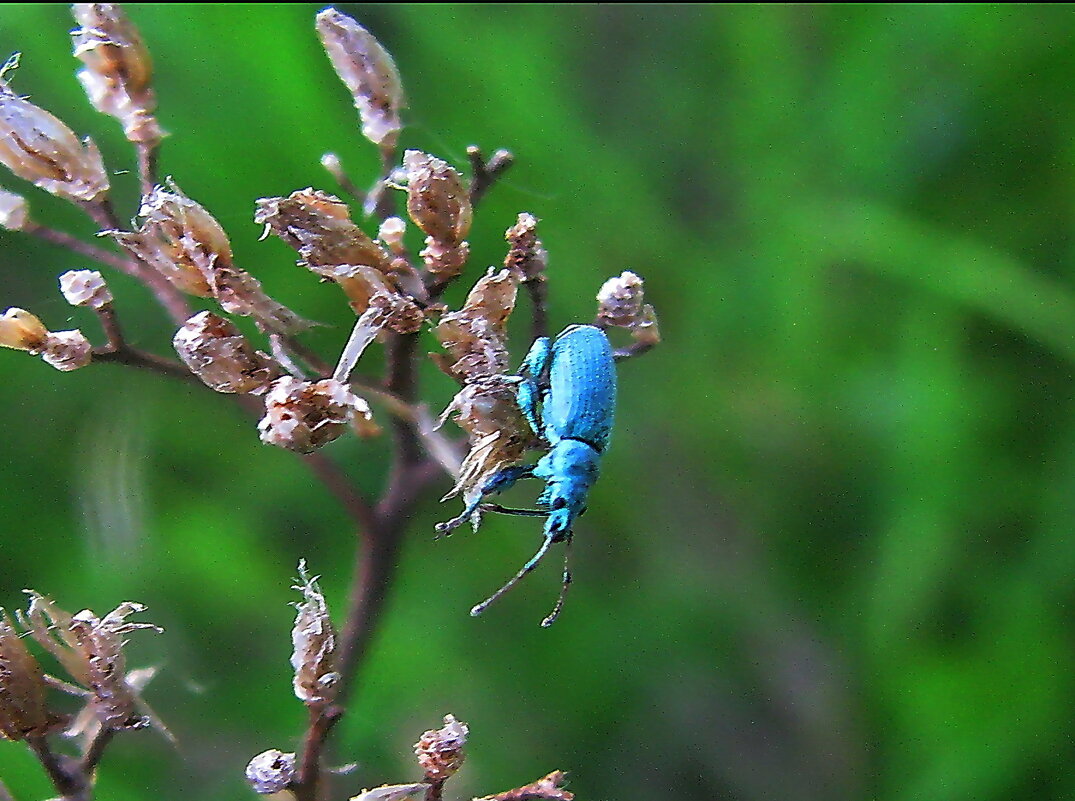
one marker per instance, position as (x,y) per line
(534,560)
(555,613)
(510,510)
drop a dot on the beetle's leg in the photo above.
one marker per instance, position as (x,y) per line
(498,482)
(529,566)
(555,613)
(509,510)
(534,372)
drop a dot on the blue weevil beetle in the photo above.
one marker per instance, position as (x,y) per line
(567,391)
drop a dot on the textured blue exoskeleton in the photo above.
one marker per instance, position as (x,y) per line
(567,391)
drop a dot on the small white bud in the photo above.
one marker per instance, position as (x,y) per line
(85,288)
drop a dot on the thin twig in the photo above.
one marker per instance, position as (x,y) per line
(485,173)
(110,325)
(94,750)
(147,165)
(62,771)
(436,788)
(539,294)
(133,357)
(76,245)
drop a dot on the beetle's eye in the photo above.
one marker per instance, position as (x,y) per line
(558,503)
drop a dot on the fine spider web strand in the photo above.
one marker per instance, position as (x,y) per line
(527,568)
(555,613)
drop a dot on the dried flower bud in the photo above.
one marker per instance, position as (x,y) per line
(391,233)
(368,72)
(621,303)
(38,147)
(440,751)
(22,687)
(67,350)
(23,331)
(85,288)
(185,243)
(547,788)
(439,204)
(314,644)
(118,69)
(270,771)
(216,351)
(392,792)
(14,211)
(620,300)
(476,335)
(527,258)
(91,651)
(305,415)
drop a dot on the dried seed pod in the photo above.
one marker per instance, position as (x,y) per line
(67,350)
(527,258)
(314,642)
(368,72)
(38,147)
(305,415)
(392,792)
(476,335)
(391,232)
(22,687)
(185,243)
(318,226)
(14,211)
(118,69)
(91,651)
(439,204)
(85,288)
(21,330)
(216,351)
(441,751)
(547,788)
(270,771)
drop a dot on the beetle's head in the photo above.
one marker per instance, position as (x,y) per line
(573,468)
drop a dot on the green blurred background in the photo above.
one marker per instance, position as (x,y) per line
(830,553)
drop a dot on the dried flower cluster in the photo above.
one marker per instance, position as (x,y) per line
(90,650)
(176,248)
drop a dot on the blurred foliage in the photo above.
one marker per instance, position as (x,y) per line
(829,556)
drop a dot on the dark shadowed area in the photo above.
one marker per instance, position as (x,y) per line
(830,554)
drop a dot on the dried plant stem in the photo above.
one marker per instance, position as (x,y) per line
(94,750)
(76,245)
(64,774)
(436,788)
(133,357)
(539,295)
(634,349)
(322,718)
(486,173)
(147,165)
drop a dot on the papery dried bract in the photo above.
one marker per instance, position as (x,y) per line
(91,651)
(441,752)
(476,335)
(319,226)
(22,687)
(216,351)
(185,243)
(85,288)
(270,771)
(621,303)
(368,72)
(314,643)
(547,788)
(392,792)
(21,330)
(14,211)
(67,350)
(305,415)
(439,204)
(39,148)
(118,69)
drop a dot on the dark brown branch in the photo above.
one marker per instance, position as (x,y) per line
(436,788)
(94,750)
(144,360)
(485,173)
(147,165)
(307,777)
(539,295)
(62,771)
